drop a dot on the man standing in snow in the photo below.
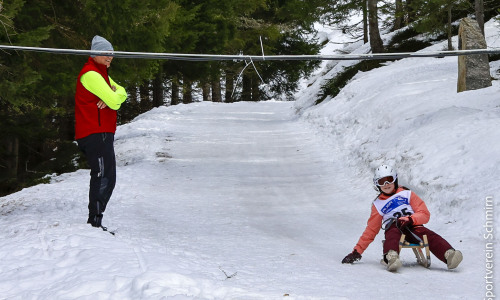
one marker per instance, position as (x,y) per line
(97,99)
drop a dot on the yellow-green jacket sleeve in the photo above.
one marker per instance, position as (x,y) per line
(96,84)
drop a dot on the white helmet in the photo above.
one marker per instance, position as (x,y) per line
(382,172)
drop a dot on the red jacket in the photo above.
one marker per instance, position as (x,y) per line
(89,118)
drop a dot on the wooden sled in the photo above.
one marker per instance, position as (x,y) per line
(424,260)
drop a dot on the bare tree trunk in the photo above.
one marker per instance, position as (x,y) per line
(479,7)
(158,90)
(187,91)
(15,156)
(175,91)
(375,40)
(409,12)
(246,94)
(398,18)
(216,91)
(146,103)
(205,89)
(131,107)
(229,87)
(365,22)
(11,159)
(450,45)
(256,96)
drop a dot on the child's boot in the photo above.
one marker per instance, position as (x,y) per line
(392,260)
(453,258)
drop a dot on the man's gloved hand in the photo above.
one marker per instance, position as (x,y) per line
(351,257)
(404,222)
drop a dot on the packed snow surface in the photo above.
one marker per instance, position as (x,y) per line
(263,200)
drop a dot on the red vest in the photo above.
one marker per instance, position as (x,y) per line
(89,118)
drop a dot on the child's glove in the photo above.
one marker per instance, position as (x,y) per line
(404,222)
(351,257)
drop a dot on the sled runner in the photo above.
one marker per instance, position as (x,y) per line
(424,260)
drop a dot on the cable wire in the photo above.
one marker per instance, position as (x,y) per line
(214,57)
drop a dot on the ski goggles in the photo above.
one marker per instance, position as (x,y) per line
(387,179)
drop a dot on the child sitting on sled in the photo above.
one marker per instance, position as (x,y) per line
(400,211)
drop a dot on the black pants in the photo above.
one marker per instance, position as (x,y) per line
(100,153)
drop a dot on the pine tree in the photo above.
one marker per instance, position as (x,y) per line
(436,16)
(340,12)
(21,114)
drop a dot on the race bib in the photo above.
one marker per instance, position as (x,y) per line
(398,205)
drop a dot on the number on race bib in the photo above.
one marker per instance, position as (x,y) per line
(404,211)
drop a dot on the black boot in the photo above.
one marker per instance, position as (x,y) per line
(95,220)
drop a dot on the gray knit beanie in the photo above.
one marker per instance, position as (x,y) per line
(100,44)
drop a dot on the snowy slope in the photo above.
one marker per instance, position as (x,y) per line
(255,201)
(409,114)
(205,192)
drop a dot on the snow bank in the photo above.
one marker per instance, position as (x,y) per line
(408,114)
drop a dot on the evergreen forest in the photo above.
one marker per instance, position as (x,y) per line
(37,89)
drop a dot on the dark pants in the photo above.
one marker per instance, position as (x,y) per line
(100,153)
(437,245)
